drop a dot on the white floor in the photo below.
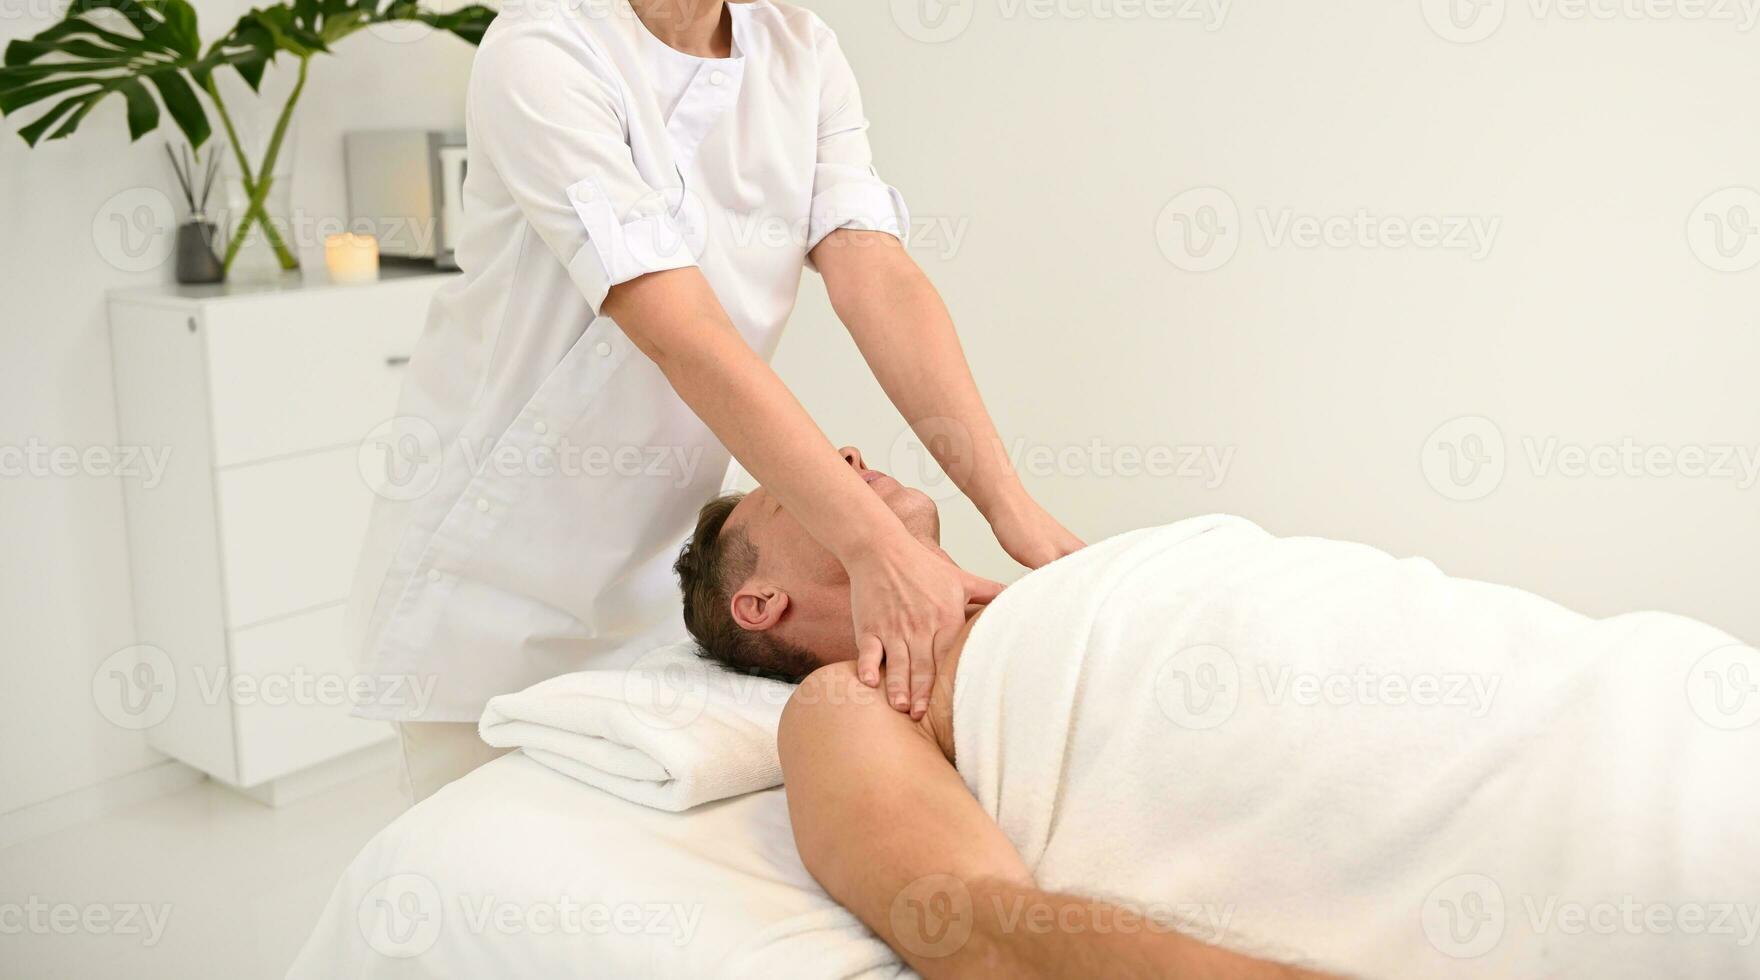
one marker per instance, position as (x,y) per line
(235,884)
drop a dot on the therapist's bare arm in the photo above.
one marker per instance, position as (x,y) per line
(905,333)
(906,598)
(884,822)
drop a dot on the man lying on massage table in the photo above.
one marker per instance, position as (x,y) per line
(1349,763)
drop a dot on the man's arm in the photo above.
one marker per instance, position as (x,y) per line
(906,335)
(885,823)
(905,598)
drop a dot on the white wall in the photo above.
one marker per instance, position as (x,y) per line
(1054,145)
(64,590)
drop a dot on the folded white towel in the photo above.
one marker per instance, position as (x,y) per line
(670,731)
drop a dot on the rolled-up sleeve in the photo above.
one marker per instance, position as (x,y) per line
(847,192)
(544,111)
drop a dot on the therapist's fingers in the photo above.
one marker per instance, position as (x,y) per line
(869,651)
(981,590)
(923,671)
(944,643)
(898,674)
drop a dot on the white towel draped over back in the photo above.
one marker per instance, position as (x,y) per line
(1308,749)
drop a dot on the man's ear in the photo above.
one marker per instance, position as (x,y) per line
(758,607)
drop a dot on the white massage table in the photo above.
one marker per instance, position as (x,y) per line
(480,879)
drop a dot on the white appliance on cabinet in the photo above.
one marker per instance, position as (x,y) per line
(243,553)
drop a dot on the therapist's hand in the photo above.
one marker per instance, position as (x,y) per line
(1029,534)
(908,603)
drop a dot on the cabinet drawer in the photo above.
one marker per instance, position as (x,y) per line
(290,533)
(309,370)
(290,690)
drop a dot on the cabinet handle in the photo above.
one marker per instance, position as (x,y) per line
(396,360)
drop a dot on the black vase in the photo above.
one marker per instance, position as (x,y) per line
(196,260)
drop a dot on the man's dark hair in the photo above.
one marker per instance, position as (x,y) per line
(715,562)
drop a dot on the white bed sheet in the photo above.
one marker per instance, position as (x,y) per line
(519,871)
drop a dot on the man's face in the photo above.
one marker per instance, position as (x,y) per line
(813,589)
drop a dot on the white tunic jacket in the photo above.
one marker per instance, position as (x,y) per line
(541,474)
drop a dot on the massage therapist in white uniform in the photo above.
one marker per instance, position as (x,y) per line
(646,181)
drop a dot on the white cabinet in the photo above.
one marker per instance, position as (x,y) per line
(243,550)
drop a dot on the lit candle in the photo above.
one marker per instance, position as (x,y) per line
(351,257)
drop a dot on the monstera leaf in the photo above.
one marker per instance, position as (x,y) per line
(307,27)
(140,49)
(131,48)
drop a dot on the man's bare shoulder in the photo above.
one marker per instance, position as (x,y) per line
(831,693)
(832,708)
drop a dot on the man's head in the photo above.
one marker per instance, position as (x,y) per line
(762,596)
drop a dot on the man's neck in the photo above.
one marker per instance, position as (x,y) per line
(695,27)
(937,723)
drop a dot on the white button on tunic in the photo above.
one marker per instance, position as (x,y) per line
(589,166)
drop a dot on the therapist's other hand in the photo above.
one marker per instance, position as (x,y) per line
(1030,535)
(909,603)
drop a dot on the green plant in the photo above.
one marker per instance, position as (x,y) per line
(139,48)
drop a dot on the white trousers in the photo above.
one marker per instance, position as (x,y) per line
(437,752)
